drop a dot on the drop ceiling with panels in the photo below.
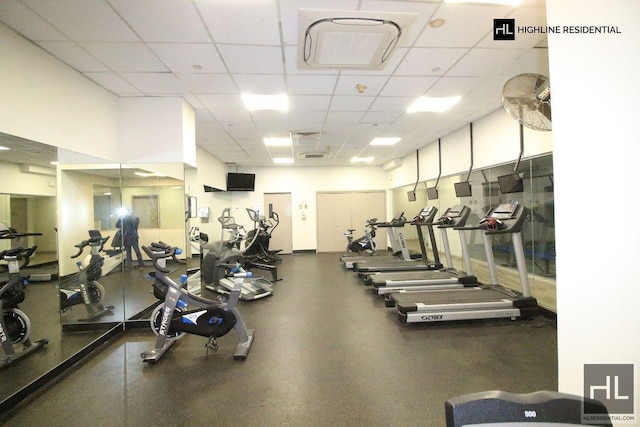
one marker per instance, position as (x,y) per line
(210,51)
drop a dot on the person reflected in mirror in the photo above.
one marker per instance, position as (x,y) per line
(129,223)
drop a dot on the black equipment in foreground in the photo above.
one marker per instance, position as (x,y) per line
(540,409)
(184,313)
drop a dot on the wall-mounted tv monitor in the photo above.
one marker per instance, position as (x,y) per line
(432,193)
(511,183)
(241,181)
(411,195)
(463,189)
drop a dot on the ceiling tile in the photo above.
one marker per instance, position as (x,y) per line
(84,20)
(113,83)
(182,57)
(480,62)
(391,103)
(454,86)
(311,84)
(309,102)
(170,20)
(252,59)
(380,117)
(351,103)
(155,83)
(263,84)
(429,61)
(241,22)
(465,25)
(222,102)
(344,117)
(209,83)
(74,55)
(408,86)
(28,23)
(126,57)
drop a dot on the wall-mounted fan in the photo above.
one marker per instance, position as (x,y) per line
(527,97)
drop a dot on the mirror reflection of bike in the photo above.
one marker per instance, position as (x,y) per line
(15,326)
(83,288)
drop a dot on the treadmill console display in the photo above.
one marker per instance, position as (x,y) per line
(504,210)
(454,211)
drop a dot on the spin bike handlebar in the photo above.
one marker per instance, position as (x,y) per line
(19,253)
(93,241)
(160,250)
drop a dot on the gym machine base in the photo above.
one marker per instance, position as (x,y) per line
(482,302)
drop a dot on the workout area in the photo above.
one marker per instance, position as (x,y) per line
(406,239)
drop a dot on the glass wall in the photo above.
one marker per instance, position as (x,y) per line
(538,234)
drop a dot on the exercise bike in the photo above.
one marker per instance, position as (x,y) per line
(15,326)
(364,243)
(86,289)
(184,313)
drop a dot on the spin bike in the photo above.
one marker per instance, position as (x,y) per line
(182,312)
(364,243)
(15,326)
(86,289)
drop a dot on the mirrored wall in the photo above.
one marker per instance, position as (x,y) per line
(538,233)
(72,207)
(28,199)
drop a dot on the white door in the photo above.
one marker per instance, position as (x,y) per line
(281,238)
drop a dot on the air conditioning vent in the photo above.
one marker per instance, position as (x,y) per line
(315,155)
(350,39)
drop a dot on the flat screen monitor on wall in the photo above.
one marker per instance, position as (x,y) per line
(241,181)
(432,193)
(463,189)
(411,195)
(511,183)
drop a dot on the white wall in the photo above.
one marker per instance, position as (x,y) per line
(496,140)
(595,112)
(47,101)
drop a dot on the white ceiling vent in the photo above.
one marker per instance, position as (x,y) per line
(314,155)
(349,39)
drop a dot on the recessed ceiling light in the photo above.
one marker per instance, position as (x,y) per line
(3,148)
(277,142)
(255,102)
(496,2)
(357,159)
(283,160)
(432,104)
(53,163)
(384,141)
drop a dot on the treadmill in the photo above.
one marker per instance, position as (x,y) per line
(484,302)
(424,218)
(384,283)
(399,249)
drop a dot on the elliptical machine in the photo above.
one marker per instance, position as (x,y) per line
(182,312)
(15,326)
(364,243)
(228,252)
(85,288)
